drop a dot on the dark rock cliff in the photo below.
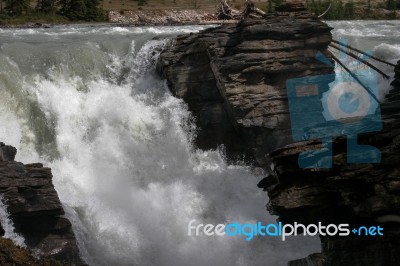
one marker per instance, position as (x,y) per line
(234,80)
(357,194)
(35,208)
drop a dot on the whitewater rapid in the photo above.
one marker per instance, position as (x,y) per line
(87,102)
(378,38)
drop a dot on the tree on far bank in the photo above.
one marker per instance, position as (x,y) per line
(46,6)
(88,10)
(17,7)
(73,9)
(93,12)
(392,4)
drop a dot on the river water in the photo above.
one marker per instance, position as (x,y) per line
(87,102)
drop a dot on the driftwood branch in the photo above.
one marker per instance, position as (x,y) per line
(225,11)
(342,49)
(326,11)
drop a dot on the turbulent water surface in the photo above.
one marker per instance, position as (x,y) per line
(88,103)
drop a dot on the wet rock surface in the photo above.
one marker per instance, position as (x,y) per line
(35,208)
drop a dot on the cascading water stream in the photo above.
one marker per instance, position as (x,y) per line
(88,103)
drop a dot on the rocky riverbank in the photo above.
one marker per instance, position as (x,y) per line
(234,80)
(167,17)
(35,209)
(162,17)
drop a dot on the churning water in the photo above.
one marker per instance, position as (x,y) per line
(88,103)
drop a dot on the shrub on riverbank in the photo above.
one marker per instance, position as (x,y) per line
(52,11)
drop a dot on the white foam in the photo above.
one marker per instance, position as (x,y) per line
(8,225)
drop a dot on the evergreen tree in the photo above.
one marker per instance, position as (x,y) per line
(391,4)
(349,10)
(88,10)
(46,6)
(93,12)
(17,7)
(74,9)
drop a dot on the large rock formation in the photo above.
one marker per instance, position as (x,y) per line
(355,194)
(35,208)
(234,80)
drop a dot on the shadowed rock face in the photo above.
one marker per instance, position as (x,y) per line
(35,208)
(359,195)
(233,79)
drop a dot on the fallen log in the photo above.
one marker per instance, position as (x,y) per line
(225,11)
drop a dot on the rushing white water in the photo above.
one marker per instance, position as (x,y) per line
(8,225)
(380,38)
(87,102)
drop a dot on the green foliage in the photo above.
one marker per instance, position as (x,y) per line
(17,7)
(338,9)
(75,9)
(349,10)
(87,10)
(46,6)
(93,12)
(274,3)
(141,2)
(392,4)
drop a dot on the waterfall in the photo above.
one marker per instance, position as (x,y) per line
(88,103)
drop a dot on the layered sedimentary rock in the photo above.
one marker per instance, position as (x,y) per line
(35,208)
(355,194)
(233,79)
